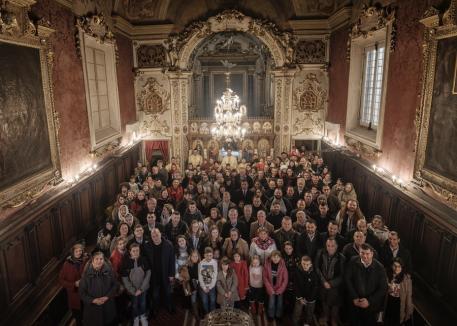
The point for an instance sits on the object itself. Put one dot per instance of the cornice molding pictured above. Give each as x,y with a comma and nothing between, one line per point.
141,32
66,3
322,26
341,18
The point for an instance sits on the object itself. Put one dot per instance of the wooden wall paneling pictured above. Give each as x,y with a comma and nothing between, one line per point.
42,237
120,173
369,200
128,166
86,210
66,222
99,197
428,253
110,184
445,266
386,204
404,221
17,273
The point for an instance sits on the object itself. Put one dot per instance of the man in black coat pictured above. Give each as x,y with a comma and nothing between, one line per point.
161,259
366,285
310,242
244,194
393,249
235,222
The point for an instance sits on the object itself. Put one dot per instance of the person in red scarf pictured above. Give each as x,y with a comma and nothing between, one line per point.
69,278
262,245
176,191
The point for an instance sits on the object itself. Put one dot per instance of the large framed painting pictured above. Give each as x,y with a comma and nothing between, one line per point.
29,153
436,150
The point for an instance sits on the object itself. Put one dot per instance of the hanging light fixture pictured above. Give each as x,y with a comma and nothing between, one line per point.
228,112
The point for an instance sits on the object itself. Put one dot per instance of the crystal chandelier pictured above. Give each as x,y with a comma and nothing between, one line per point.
228,112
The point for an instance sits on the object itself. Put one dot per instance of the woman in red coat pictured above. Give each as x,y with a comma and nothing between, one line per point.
69,277
241,270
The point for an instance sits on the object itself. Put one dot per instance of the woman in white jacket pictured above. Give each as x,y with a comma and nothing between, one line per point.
262,245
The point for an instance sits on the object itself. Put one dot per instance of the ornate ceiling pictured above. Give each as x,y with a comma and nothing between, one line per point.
182,12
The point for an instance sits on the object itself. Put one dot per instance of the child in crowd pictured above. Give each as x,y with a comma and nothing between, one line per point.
241,270
189,277
256,289
291,261
306,290
275,279
207,277
136,274
227,285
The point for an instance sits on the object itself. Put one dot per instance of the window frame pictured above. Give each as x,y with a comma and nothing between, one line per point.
354,129
114,129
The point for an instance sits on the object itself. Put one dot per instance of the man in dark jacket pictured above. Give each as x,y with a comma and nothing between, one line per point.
366,284
244,194
285,233
329,266
332,233
235,222
175,227
393,249
161,258
310,242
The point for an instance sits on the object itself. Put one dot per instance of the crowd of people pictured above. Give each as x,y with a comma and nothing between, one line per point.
272,235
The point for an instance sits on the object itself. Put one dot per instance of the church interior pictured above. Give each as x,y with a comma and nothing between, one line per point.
228,162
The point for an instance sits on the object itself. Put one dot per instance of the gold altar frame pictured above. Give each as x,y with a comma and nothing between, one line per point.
19,30
436,29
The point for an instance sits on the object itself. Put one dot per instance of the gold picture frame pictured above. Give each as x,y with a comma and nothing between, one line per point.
433,167
19,35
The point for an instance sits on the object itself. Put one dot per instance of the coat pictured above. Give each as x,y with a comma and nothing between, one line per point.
96,284
406,299
306,284
330,270
70,273
167,263
242,274
307,247
241,246
282,278
224,285
369,283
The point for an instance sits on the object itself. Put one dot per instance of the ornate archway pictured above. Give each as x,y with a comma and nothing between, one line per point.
181,46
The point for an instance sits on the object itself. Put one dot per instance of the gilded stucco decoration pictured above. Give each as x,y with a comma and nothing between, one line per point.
310,94
95,25
153,98
181,46
151,56
311,52
372,19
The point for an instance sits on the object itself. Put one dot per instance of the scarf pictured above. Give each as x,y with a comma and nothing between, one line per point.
263,244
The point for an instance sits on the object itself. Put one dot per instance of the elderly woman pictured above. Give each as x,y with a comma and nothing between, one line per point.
97,288
262,245
235,243
70,277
